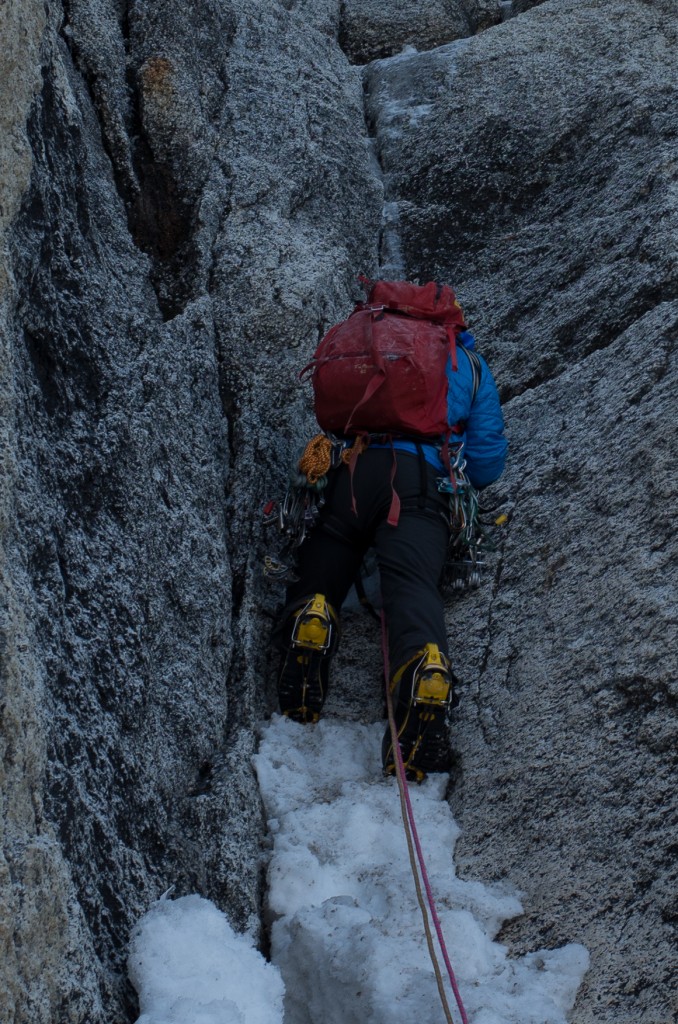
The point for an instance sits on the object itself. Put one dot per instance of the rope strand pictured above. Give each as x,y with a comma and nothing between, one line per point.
316,459
413,865
413,838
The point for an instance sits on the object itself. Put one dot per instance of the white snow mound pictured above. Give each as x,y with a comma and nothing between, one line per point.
346,929
189,967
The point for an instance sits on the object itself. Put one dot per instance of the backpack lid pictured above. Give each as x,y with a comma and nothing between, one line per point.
432,301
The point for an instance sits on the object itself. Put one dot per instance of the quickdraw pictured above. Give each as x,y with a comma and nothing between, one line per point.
468,539
295,516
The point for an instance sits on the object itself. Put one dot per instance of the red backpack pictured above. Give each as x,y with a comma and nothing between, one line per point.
383,370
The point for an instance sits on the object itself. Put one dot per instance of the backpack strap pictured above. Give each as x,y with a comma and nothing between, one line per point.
394,511
350,457
452,338
476,373
379,377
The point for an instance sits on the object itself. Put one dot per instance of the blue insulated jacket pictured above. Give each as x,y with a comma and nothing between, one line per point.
485,446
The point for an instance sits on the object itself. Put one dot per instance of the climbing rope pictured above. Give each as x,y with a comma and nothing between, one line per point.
413,844
316,459
322,453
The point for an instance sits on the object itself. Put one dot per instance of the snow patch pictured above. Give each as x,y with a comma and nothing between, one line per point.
346,931
189,967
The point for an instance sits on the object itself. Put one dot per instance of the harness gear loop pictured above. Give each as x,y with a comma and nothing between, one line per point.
361,444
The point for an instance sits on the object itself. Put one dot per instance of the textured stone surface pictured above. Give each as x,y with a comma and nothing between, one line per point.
371,30
539,144
187,196
185,207
554,210
22,25
45,948
568,731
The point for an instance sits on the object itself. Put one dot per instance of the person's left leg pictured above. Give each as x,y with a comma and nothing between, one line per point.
327,564
310,623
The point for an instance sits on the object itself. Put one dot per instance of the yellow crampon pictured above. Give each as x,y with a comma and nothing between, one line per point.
432,678
304,670
432,683
421,713
313,627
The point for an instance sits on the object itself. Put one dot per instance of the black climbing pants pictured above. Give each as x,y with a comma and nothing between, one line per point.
410,555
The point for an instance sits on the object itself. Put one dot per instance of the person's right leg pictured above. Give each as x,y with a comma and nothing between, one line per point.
422,690
411,556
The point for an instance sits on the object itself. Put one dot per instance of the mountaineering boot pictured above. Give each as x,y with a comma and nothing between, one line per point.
311,634
422,689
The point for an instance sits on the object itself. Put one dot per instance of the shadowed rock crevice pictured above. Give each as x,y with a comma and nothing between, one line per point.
635,309
108,85
369,30
158,127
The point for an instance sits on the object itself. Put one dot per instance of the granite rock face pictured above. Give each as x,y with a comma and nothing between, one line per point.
548,230
187,196
181,225
370,30
554,210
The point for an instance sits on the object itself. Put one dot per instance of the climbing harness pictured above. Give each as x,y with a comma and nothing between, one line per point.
417,862
298,512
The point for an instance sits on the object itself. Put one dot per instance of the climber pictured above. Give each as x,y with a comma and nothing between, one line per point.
387,492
